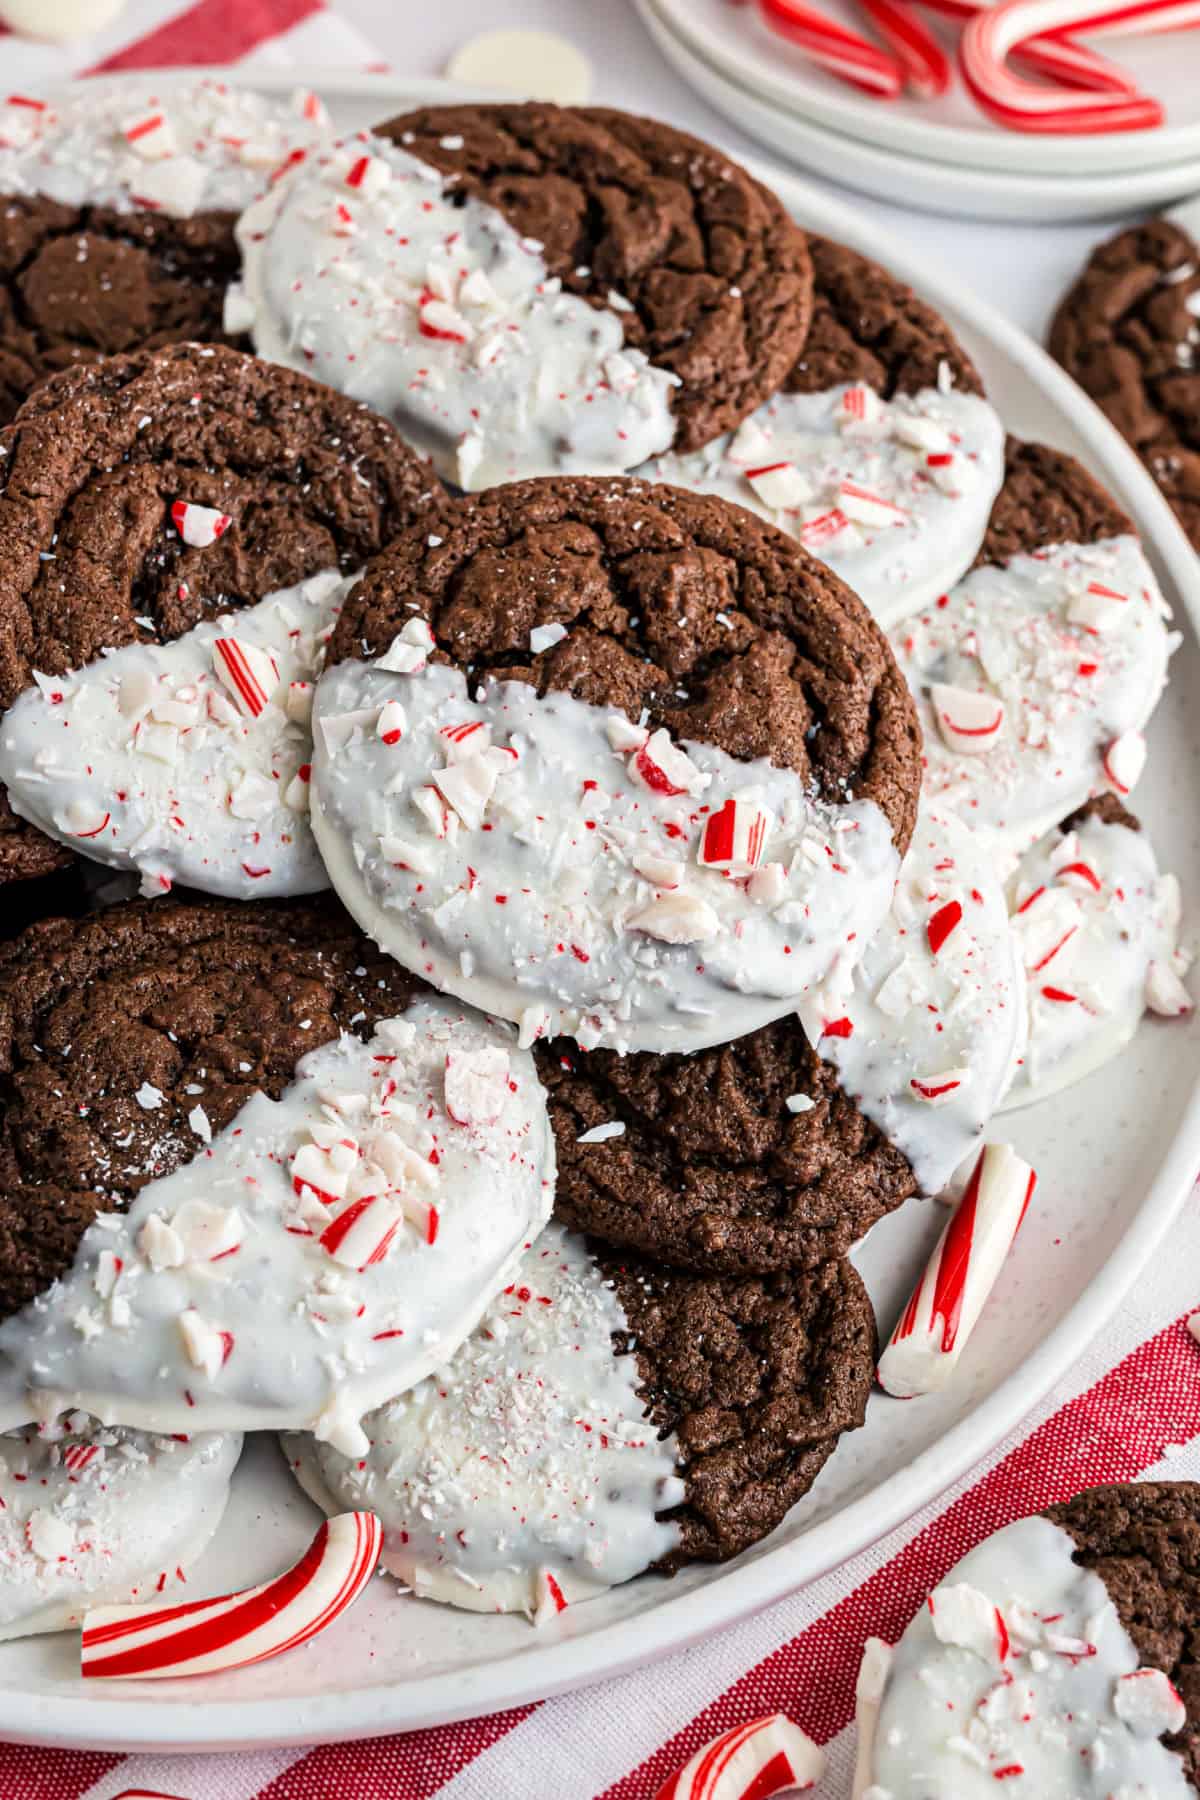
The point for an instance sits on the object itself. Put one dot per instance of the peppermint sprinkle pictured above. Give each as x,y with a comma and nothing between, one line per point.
600,1134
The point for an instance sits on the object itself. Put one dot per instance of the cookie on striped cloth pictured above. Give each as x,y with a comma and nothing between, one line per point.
1061,1650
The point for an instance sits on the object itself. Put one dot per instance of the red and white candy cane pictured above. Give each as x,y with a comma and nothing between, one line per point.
843,52
751,1762
923,1351
927,68
995,31
1075,65
203,1637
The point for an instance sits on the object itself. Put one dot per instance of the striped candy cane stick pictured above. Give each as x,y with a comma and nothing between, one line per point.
923,1351
994,32
926,66
202,1637
843,52
751,1762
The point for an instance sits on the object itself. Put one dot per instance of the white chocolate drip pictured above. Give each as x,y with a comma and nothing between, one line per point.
320,1254
959,1707
529,1452
360,269
1063,689
543,880
850,476
145,760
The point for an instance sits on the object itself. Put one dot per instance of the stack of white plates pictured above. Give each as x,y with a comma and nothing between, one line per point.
944,154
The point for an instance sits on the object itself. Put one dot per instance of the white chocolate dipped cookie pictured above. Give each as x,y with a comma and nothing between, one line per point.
1045,1660
926,1037
117,207
509,284
612,760
1097,930
279,1180
880,453
94,1515
176,533
564,1448
1036,675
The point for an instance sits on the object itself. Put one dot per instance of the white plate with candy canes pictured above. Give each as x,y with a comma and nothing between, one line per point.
1115,1155
888,173
738,41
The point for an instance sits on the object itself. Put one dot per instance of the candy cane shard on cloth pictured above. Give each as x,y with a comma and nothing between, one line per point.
873,1674
992,35
203,1637
933,1329
844,53
751,1762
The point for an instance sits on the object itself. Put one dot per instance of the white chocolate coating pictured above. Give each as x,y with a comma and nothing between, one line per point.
897,558
444,319
145,761
96,1515
935,1034
1089,950
1062,690
208,147
959,1720
536,909
324,1252
529,1452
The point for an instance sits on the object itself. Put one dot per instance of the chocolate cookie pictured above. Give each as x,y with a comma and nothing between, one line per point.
117,210
1036,675
607,1417
699,1160
1087,1612
601,625
767,1154
197,512
243,1140
543,290
718,277
869,328
1128,332
205,997
757,1377
1143,1540
881,454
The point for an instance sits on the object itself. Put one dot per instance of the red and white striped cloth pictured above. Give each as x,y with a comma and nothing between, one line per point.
1130,1409
156,34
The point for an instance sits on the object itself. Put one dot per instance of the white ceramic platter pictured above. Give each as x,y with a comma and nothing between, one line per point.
737,40
888,173
1116,1157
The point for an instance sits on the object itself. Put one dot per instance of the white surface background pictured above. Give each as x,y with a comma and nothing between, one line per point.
1022,269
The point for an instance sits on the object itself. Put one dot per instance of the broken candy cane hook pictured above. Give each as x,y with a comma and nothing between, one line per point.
201,1637
1072,64
992,35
